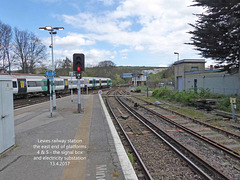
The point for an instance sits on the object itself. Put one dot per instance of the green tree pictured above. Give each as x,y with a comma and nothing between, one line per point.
216,32
118,80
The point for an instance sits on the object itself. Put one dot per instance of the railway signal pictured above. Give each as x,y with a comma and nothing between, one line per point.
78,62
78,67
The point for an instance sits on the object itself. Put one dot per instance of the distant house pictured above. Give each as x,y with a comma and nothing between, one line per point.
139,79
127,75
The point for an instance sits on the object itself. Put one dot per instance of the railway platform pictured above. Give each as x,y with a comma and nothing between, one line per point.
68,146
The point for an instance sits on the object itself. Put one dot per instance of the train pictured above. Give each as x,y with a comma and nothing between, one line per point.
32,84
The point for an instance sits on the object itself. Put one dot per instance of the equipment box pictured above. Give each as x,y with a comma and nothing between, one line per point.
7,135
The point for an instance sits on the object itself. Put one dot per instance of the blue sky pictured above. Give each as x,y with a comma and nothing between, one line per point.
128,32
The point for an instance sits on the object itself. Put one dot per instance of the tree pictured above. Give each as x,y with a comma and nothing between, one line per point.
216,33
1,42
5,45
21,39
36,53
67,63
64,66
118,80
28,49
106,63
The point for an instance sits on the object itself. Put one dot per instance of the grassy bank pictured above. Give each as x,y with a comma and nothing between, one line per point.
189,98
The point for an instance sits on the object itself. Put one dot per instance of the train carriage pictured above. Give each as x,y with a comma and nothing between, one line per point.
34,84
59,84
28,84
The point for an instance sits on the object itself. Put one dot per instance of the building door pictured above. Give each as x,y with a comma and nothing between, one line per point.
195,85
180,83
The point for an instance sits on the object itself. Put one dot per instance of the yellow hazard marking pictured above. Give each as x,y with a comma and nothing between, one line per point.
76,168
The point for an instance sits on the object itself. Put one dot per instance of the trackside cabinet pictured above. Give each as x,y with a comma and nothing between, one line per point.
7,135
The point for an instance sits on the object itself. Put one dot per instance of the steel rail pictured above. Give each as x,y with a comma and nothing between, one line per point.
222,147
211,170
212,142
145,170
193,119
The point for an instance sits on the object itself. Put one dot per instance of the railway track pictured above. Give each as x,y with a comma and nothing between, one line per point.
227,140
24,102
19,103
217,155
162,155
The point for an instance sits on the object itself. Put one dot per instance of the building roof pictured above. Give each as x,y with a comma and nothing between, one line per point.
189,61
127,75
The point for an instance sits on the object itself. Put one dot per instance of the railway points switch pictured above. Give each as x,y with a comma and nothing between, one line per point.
7,135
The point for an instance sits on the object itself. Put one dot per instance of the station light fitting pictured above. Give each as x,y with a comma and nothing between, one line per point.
50,28
177,55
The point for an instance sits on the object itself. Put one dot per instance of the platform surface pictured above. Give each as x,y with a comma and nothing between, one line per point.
67,146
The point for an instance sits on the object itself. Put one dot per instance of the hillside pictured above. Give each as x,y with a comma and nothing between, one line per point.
114,71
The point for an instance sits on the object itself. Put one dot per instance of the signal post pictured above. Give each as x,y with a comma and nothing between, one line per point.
78,67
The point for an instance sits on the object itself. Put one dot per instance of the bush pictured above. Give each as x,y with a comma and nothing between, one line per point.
186,97
189,97
163,93
225,104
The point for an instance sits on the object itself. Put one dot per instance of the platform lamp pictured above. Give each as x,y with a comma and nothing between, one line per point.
177,55
51,29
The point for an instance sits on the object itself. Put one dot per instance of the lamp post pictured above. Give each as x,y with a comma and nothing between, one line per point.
177,55
51,29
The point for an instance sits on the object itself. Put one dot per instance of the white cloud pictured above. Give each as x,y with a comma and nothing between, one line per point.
157,19
92,56
73,39
124,51
139,48
156,26
70,41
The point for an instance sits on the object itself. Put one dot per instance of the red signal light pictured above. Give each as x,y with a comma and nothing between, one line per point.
78,68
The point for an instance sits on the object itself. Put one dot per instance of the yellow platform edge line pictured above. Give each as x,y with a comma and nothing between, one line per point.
76,168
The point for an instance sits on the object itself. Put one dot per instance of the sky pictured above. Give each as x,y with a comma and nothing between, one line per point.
127,32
